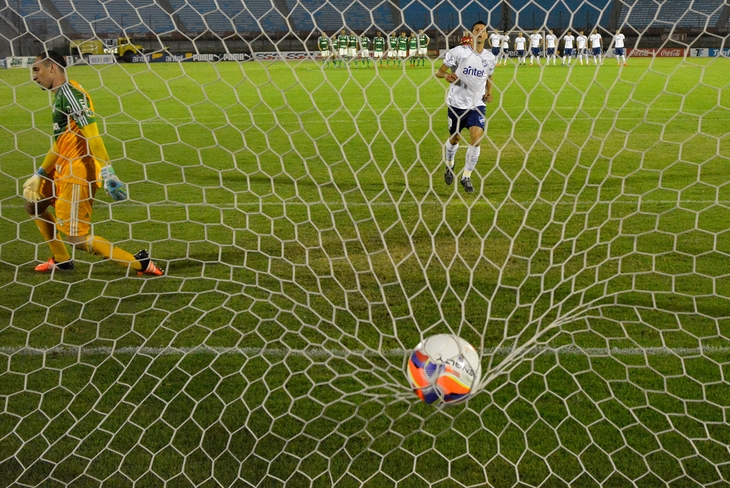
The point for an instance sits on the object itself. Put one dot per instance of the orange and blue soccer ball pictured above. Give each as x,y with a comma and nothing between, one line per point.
444,368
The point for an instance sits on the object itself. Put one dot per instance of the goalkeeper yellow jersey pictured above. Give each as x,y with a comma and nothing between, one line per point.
73,109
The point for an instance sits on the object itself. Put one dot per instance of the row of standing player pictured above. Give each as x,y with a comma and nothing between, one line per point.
549,45
351,47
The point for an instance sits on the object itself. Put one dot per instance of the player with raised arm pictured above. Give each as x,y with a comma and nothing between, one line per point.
581,43
495,43
423,41
365,49
378,48
505,49
323,43
70,175
468,70
535,45
597,46
618,46
520,43
551,41
568,41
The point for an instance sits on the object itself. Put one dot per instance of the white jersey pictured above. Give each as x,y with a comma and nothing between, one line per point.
568,40
520,43
619,40
595,40
535,40
473,69
551,40
495,39
505,41
581,41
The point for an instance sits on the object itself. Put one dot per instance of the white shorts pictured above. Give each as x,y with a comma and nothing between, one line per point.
343,51
352,52
365,53
391,53
378,54
402,54
422,51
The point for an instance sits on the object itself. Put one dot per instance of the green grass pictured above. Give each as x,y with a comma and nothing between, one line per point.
309,241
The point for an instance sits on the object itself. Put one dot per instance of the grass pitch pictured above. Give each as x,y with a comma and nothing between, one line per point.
310,241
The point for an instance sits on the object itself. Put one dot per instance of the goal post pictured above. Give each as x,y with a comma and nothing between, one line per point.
298,206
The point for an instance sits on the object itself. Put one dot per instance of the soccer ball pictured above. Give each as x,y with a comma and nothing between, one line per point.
444,368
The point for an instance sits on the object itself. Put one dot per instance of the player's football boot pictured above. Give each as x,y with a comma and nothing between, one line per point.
449,175
51,264
148,267
466,183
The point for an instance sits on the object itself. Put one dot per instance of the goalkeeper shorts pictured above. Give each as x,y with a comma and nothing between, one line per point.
73,204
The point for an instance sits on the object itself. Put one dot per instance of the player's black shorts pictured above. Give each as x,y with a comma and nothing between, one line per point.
568,51
551,51
460,119
495,51
619,51
536,51
520,52
596,51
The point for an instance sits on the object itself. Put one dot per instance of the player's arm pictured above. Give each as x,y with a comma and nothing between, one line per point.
488,94
445,73
113,186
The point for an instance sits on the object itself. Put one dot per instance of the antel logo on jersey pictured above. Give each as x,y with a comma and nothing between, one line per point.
473,71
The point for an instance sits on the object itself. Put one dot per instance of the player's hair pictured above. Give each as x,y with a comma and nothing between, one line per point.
52,56
478,22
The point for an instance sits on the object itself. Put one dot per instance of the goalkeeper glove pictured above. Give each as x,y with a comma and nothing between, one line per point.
32,187
113,186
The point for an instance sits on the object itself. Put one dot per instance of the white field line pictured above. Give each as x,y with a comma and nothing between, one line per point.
317,352
405,203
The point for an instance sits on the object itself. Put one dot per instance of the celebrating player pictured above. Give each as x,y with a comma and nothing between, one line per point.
472,67
423,41
505,49
378,48
597,45
69,175
535,45
618,46
520,42
552,43
323,43
581,43
568,40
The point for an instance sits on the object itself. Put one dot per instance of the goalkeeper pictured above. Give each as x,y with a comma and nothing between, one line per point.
70,175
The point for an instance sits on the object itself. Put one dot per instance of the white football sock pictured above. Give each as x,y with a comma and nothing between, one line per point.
472,156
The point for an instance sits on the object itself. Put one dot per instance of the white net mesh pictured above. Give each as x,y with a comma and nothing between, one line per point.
310,242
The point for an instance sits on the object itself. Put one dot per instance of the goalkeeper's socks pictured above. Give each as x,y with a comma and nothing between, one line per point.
450,152
46,223
101,247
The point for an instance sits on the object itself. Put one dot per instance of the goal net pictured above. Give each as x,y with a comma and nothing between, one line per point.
298,205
